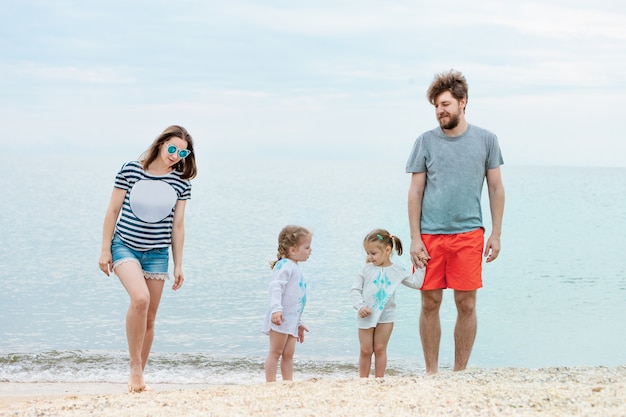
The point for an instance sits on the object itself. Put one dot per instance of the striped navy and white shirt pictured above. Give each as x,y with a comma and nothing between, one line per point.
148,210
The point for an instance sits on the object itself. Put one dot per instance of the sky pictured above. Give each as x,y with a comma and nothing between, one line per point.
338,80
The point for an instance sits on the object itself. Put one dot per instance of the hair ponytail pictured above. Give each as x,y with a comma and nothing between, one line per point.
290,237
385,238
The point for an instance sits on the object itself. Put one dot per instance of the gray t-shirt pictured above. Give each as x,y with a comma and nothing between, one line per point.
455,172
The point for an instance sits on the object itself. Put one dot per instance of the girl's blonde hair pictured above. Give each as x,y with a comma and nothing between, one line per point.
290,237
384,238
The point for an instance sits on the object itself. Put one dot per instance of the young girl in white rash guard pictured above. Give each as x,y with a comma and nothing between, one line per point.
373,296
283,321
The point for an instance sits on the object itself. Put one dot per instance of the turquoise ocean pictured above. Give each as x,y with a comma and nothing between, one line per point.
556,296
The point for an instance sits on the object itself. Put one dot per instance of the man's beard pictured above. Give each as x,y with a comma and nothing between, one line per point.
452,122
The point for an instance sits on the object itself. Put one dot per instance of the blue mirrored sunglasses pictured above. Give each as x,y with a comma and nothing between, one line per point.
182,153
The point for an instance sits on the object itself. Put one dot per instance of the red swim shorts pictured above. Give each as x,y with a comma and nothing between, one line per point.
455,261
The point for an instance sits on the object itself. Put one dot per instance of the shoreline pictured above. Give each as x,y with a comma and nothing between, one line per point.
569,391
43,389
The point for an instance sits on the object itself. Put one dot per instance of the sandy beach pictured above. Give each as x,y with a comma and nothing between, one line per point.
476,392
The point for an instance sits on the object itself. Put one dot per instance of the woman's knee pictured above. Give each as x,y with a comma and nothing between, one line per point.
140,301
150,322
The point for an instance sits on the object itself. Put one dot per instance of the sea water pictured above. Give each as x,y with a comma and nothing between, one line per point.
554,297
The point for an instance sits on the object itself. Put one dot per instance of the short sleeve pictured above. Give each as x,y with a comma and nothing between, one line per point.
494,154
121,180
185,194
417,158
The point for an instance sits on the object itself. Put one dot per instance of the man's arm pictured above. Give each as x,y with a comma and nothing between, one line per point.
416,194
496,205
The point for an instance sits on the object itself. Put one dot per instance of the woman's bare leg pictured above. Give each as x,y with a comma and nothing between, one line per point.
131,277
155,287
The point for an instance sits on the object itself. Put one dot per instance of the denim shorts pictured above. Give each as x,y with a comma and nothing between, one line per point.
153,262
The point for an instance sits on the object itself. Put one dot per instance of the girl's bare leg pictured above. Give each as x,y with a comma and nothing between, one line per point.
131,277
277,345
381,339
286,360
366,341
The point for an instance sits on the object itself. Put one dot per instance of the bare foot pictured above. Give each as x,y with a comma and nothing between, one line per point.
146,388
136,382
132,388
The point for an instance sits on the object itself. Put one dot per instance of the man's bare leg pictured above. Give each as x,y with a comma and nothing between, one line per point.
465,329
430,329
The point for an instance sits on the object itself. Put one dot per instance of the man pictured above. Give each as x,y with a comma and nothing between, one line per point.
449,165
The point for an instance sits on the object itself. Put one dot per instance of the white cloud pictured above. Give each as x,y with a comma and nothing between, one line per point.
344,75
49,74
566,21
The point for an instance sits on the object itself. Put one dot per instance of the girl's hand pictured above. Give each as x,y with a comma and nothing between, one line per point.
178,278
419,254
277,318
301,330
364,312
106,262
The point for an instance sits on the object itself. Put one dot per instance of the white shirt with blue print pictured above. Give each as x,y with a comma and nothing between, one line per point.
287,294
375,287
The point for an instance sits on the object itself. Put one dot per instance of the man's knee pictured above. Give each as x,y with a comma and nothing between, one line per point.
431,301
465,302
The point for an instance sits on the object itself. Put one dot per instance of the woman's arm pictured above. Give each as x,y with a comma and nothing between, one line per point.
110,219
178,240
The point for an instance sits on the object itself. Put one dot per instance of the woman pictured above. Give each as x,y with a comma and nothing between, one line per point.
150,194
